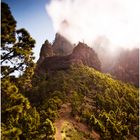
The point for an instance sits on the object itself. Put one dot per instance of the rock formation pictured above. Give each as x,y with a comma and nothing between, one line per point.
62,46
46,51
82,54
86,55
61,55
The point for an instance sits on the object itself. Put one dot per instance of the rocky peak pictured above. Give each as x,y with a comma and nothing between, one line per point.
81,50
81,55
87,55
62,46
46,51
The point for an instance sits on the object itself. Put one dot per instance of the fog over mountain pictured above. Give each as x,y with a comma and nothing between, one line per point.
86,21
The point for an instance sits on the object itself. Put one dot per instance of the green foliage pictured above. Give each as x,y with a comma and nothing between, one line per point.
19,119
13,103
111,108
8,25
29,123
106,105
17,45
24,82
47,130
50,107
13,133
76,103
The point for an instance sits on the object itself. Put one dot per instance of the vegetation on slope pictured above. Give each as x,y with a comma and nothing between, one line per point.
19,119
30,108
108,106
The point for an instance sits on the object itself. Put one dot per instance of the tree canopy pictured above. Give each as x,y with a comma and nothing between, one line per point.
17,45
20,120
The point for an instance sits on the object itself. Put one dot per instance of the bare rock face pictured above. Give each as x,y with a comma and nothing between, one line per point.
127,67
86,55
61,46
81,55
46,51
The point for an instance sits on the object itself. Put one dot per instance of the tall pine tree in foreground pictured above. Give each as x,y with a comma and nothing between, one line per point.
19,119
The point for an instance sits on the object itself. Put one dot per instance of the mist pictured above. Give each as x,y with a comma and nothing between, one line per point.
88,20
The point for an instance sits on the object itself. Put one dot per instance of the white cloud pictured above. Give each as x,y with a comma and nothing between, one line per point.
78,20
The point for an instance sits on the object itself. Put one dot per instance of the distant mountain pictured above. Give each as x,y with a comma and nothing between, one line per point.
127,67
122,64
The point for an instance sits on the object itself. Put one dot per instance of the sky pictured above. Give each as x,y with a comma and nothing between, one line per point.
80,20
32,15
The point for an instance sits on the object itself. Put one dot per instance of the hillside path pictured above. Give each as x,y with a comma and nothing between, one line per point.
65,116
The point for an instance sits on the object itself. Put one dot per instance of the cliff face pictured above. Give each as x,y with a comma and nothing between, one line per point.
62,46
46,51
86,55
82,54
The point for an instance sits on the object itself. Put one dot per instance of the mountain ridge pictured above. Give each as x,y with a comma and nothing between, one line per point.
82,54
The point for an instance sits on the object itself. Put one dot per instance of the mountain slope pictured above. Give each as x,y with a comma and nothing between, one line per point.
106,106
122,64
127,67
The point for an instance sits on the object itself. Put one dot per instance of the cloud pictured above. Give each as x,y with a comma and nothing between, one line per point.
86,20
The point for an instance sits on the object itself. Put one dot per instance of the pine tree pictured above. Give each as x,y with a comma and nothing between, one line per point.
8,26
17,114
19,119
17,45
47,130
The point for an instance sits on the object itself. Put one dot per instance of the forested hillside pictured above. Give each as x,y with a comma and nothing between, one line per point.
76,103
107,106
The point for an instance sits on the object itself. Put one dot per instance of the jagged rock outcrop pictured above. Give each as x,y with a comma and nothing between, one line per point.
86,55
62,46
82,54
46,51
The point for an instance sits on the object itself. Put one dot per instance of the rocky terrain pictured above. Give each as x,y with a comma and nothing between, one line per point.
81,55
62,54
61,46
